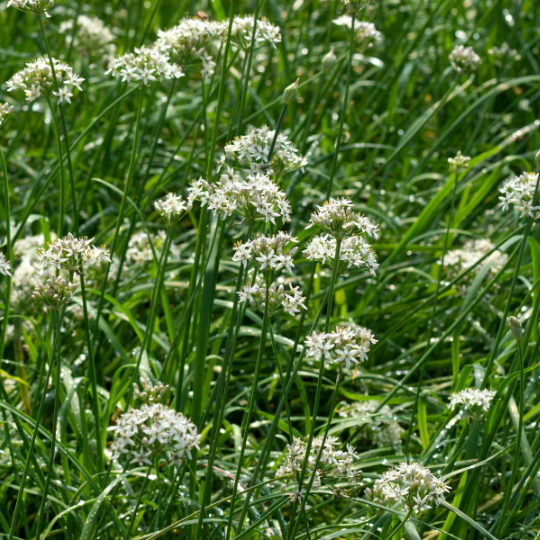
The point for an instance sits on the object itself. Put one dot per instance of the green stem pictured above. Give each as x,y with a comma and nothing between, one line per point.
9,252
276,133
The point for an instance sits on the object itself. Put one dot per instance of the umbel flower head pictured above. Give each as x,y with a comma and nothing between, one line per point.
172,208
92,38
32,6
252,198
267,252
519,192
5,265
333,463
503,55
464,59
72,254
153,430
36,80
410,485
145,66
338,219
355,253
242,32
475,402
366,32
279,299
459,163
5,111
380,427
251,151
354,6
344,345
55,293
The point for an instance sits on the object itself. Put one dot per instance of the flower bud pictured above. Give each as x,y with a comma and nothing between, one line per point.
516,328
329,61
291,93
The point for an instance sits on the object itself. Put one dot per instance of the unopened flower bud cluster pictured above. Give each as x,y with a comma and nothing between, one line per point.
267,252
354,6
381,428
344,345
415,487
519,192
459,163
72,254
279,298
333,463
504,54
464,59
36,80
475,402
338,219
149,392
354,252
55,293
251,151
255,197
172,208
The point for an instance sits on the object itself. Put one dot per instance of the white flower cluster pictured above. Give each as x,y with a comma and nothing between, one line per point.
519,191
354,252
139,251
333,462
256,196
91,38
278,299
366,32
471,253
32,6
26,247
343,345
381,427
354,6
172,208
503,55
459,163
36,80
267,252
5,265
476,402
26,277
152,430
72,254
252,151
464,59
338,219
242,32
5,110
145,65
411,485
55,293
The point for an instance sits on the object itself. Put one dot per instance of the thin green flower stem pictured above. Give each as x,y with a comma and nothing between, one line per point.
66,143
158,284
30,455
517,458
276,133
129,179
398,526
433,312
136,509
44,499
246,420
319,379
9,253
343,111
502,325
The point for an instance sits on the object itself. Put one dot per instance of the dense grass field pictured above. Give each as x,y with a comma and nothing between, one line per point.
269,269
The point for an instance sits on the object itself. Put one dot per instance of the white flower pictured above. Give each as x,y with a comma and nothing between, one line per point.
519,191
172,208
366,32
37,80
338,219
411,485
5,265
344,345
251,151
242,32
278,299
503,55
459,163
91,38
144,65
5,111
464,59
267,252
32,6
355,252
477,402
381,427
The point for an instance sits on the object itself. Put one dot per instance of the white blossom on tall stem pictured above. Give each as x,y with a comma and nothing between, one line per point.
366,32
464,59
279,298
459,163
36,80
504,54
338,219
37,7
172,208
519,192
267,252
242,32
475,402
